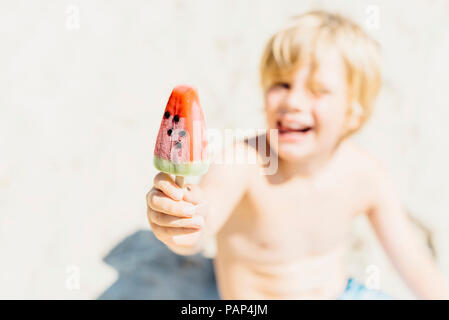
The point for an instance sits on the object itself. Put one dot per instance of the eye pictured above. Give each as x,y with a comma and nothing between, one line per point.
166,115
281,85
176,118
182,133
321,91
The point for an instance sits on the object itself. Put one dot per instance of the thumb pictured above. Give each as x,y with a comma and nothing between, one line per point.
192,194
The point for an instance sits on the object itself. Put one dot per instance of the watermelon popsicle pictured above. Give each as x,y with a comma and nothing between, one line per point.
181,145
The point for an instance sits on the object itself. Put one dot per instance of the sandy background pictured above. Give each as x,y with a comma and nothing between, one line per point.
83,85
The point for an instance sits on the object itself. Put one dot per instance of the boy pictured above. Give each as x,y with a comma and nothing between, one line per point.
282,236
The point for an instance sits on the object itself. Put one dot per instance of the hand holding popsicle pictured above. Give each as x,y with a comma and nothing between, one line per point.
181,150
173,214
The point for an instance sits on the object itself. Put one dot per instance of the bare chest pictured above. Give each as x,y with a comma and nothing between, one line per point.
293,219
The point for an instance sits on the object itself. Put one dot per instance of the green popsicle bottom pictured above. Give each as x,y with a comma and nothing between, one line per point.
196,168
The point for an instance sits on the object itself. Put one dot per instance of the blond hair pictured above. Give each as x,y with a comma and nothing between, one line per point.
307,36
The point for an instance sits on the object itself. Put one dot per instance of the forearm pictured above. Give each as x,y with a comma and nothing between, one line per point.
410,256
431,284
421,274
401,242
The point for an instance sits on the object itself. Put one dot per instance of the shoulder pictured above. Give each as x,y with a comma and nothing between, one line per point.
363,164
370,175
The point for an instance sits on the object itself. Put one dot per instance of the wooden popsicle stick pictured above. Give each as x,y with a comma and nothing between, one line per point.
179,180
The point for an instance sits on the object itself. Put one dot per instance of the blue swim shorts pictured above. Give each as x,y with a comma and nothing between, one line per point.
357,291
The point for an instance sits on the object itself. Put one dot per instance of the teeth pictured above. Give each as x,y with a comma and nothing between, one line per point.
295,126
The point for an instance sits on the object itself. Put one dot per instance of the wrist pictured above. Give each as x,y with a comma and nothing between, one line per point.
185,251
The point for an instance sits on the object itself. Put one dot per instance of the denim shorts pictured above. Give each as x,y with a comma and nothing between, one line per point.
357,291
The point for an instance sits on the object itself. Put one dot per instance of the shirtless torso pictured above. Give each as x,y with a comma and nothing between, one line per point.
286,238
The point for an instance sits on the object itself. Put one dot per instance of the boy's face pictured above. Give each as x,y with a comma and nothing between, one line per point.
310,116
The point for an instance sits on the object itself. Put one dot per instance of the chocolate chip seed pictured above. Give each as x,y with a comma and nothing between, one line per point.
169,132
166,115
176,118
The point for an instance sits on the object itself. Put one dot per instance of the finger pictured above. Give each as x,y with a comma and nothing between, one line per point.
165,183
192,194
176,236
165,220
158,201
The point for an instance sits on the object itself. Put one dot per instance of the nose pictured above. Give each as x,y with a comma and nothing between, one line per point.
296,101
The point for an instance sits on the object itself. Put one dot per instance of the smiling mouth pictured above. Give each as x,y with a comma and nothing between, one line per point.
286,129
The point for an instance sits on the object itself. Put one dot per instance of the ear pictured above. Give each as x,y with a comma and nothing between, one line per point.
355,116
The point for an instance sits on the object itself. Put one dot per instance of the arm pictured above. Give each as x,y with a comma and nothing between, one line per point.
223,187
213,201
397,236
